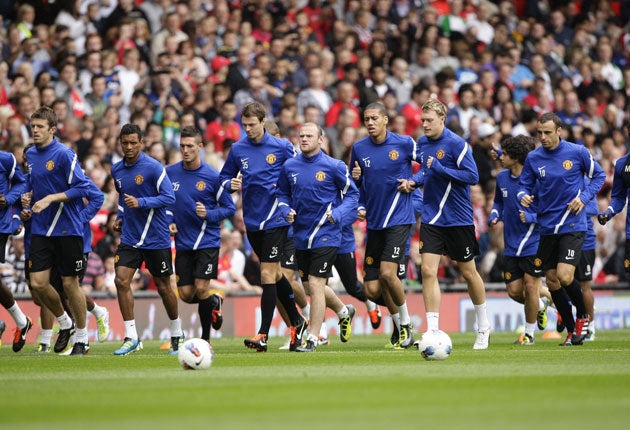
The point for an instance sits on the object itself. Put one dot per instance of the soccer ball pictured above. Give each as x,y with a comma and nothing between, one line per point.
195,354
435,345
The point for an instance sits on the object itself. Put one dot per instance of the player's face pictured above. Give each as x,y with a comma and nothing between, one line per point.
190,149
131,146
42,133
548,134
376,124
310,140
254,128
432,124
506,160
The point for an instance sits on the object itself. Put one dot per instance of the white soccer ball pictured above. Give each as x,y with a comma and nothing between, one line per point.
195,354
435,345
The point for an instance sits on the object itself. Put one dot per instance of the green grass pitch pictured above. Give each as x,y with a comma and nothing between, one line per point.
358,385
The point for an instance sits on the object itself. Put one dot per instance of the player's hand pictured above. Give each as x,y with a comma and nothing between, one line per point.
493,222
527,200
236,183
25,199
361,215
406,185
3,201
330,217
356,171
118,225
131,201
200,210
25,215
522,217
19,229
575,206
172,228
603,218
41,205
290,216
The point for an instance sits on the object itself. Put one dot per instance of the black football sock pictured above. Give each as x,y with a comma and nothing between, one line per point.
267,307
205,317
287,298
561,302
575,292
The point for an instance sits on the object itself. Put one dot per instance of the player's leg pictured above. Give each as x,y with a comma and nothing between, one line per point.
347,268
159,263
127,261
23,323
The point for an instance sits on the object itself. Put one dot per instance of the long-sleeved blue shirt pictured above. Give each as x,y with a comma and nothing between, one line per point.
146,227
12,185
560,175
55,169
520,238
313,186
620,190
95,200
260,165
447,183
382,164
199,185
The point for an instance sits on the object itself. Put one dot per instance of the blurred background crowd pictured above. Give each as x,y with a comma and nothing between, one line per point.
165,64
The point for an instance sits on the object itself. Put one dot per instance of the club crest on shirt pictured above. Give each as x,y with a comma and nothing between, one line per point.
567,164
139,179
439,154
50,165
393,155
200,185
320,176
270,158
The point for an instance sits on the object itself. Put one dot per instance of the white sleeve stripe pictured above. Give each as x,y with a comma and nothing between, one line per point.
72,167
160,180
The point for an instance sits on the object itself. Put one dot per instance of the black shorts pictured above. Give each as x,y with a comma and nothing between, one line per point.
158,261
288,260
458,242
63,252
516,267
389,245
316,262
3,247
560,248
268,244
584,270
197,264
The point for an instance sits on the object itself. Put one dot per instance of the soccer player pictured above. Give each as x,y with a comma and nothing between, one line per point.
12,184
316,195
58,185
381,164
144,193
523,274
254,164
558,168
201,204
448,170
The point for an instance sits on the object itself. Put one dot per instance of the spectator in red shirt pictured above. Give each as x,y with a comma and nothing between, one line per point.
345,94
412,111
224,127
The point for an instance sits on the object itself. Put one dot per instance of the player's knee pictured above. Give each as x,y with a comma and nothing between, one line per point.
565,278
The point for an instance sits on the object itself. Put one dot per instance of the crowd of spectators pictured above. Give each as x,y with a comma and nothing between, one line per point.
166,64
